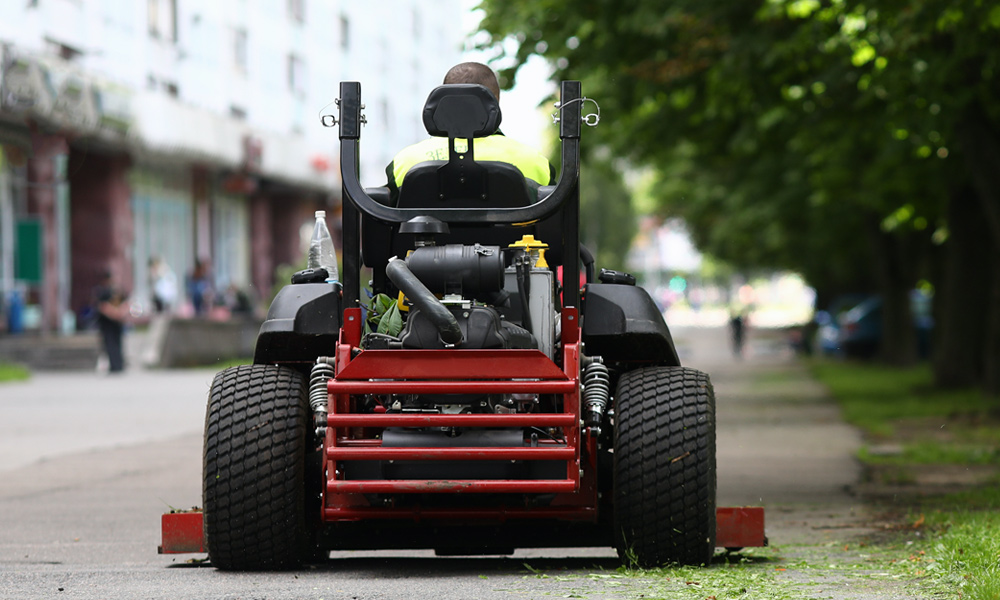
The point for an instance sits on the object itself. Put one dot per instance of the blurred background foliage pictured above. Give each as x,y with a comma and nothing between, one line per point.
857,143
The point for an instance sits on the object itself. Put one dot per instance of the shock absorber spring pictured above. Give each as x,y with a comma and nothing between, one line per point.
596,391
323,371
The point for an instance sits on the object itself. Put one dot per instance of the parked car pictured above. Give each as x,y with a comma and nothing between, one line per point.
828,322
860,331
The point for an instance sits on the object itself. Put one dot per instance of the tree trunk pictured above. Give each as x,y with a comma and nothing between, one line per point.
894,271
961,298
991,349
979,139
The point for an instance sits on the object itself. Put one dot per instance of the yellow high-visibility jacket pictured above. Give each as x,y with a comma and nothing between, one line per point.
496,147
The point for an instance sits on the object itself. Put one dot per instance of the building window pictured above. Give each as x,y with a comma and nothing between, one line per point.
345,32
238,113
296,75
162,19
297,10
240,50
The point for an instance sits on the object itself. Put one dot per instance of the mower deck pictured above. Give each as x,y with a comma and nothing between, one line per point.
735,528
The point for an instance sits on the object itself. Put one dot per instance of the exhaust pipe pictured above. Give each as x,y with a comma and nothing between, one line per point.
438,314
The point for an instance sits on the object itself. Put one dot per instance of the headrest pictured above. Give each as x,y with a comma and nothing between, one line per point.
461,110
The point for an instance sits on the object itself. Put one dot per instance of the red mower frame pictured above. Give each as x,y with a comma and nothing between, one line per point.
352,436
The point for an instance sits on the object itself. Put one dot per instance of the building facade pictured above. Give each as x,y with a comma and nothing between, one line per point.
182,130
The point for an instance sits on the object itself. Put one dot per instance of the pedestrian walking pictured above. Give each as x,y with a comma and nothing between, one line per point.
164,285
737,324
199,286
112,314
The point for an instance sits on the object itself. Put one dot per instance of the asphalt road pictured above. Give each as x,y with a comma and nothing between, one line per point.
89,462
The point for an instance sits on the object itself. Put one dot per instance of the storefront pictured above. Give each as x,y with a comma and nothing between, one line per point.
163,218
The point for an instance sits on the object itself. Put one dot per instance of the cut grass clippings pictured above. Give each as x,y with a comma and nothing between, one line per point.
754,573
727,577
949,544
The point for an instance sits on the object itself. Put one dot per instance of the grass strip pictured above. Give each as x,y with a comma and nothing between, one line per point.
950,543
874,396
11,372
953,548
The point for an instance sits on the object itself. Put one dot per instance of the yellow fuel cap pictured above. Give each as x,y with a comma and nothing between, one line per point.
535,248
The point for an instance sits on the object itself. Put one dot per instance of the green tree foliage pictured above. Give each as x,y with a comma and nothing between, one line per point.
606,213
834,137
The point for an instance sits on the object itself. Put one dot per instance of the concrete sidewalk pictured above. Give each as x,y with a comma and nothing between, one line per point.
90,462
55,414
781,441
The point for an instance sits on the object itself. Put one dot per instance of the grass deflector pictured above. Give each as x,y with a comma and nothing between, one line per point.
519,404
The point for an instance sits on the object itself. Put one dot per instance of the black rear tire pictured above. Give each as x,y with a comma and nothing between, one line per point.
254,492
664,467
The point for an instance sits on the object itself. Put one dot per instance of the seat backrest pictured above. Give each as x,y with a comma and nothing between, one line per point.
461,110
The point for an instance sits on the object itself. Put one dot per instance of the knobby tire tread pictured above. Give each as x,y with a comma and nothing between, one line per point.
664,467
254,463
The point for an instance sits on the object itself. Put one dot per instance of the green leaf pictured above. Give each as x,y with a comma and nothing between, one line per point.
391,322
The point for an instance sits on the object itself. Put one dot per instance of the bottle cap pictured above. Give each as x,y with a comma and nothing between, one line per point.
320,214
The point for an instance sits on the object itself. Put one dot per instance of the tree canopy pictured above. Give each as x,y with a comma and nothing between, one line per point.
840,138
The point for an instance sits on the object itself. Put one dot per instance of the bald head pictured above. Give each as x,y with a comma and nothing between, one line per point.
473,72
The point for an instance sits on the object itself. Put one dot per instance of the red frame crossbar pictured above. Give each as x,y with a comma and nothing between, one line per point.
353,436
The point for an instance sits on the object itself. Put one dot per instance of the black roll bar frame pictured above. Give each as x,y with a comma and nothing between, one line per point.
565,194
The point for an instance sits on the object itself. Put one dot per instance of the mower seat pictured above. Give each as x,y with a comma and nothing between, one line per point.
458,112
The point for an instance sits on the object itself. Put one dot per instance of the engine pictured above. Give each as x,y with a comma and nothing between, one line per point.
466,297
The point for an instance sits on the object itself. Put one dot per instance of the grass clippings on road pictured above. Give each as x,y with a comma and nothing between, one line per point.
753,573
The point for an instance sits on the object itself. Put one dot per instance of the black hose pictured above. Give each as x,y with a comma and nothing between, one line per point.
438,314
587,258
522,265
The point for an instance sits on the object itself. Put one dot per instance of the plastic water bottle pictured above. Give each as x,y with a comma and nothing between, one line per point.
321,250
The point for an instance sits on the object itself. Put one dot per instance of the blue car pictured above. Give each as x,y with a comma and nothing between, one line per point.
860,332
828,323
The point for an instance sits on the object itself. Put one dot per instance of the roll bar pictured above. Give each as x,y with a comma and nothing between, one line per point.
350,133
565,195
